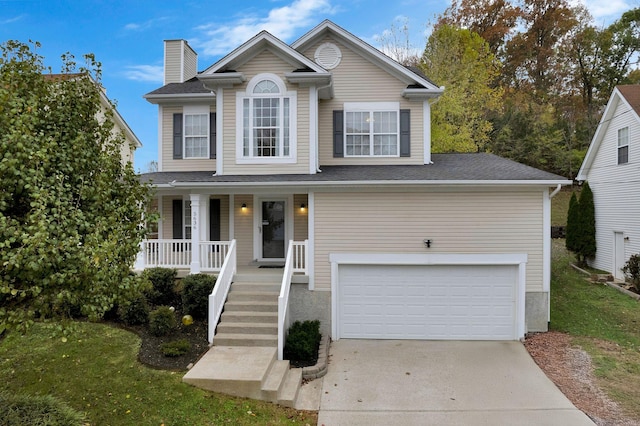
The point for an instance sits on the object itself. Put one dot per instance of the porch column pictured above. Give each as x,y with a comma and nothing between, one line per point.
139,265
195,232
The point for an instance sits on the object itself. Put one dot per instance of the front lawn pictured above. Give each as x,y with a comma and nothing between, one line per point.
95,370
603,322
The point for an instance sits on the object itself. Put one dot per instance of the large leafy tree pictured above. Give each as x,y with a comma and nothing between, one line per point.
70,211
461,60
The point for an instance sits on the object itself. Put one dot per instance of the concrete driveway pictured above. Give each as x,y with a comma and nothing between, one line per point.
404,382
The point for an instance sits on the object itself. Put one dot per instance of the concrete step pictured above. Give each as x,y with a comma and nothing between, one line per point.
267,287
251,306
289,392
234,339
247,328
275,381
254,296
273,277
238,371
244,316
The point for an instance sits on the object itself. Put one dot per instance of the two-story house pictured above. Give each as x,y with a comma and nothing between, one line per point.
611,168
316,156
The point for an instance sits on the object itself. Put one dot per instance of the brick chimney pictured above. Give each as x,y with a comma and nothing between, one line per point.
180,61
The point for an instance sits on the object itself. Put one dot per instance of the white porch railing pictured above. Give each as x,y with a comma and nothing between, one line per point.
300,258
212,254
178,254
220,291
283,300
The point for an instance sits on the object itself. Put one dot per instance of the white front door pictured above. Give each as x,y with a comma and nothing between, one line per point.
618,255
273,214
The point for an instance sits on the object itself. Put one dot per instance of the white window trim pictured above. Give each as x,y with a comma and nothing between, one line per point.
240,96
186,203
195,110
622,146
371,107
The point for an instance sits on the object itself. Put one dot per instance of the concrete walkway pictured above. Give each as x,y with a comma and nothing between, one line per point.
404,382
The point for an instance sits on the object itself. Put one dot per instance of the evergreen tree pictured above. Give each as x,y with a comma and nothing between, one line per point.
587,225
572,223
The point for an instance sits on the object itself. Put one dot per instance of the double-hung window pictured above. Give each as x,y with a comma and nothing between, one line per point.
623,145
372,129
267,126
196,132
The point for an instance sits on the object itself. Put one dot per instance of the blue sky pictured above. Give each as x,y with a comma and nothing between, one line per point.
127,36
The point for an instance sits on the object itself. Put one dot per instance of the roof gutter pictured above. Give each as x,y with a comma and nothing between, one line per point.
559,183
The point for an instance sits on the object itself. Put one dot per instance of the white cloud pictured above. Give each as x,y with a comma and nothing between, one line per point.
12,20
146,73
282,22
141,26
605,12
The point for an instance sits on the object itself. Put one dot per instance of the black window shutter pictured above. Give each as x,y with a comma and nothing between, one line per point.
338,133
177,219
212,135
405,133
177,136
214,219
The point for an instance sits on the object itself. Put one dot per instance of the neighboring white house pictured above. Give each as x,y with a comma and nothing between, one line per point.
612,168
327,143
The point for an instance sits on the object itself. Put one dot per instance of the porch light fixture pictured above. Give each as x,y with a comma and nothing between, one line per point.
303,207
244,207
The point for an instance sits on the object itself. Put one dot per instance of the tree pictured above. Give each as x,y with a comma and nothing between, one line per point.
461,61
586,236
396,44
572,223
70,211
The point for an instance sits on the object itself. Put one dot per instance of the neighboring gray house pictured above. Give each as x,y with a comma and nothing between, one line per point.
612,168
317,156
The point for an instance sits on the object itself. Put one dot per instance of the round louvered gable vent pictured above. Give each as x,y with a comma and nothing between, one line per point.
328,56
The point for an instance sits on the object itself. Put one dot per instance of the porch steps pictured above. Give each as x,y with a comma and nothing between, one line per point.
243,358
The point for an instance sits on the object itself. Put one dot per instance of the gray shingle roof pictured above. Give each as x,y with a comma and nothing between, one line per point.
188,87
445,167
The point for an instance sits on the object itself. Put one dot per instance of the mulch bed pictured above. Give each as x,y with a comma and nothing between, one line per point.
151,347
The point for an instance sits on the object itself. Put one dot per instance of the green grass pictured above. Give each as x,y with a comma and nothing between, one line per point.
604,322
96,371
560,206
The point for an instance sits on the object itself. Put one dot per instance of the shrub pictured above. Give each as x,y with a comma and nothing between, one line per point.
195,295
163,286
303,341
162,321
176,348
632,270
134,311
19,410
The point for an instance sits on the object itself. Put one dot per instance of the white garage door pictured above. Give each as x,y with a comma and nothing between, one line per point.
427,302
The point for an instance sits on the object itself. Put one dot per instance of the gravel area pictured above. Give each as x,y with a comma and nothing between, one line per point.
571,370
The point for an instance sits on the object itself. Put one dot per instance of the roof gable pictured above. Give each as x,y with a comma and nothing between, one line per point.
410,76
627,97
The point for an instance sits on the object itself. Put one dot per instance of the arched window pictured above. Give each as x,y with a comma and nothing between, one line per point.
266,118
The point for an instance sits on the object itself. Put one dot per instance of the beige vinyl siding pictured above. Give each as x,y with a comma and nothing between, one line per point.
465,222
616,190
168,163
356,79
266,62
300,217
166,221
172,65
244,229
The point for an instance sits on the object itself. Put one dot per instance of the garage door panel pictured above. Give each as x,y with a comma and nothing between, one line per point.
427,302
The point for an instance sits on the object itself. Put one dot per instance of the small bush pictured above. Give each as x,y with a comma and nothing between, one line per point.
303,341
195,295
134,311
176,348
632,270
19,410
162,321
163,286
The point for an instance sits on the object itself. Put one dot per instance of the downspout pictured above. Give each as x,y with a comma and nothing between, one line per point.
555,191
